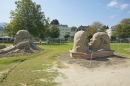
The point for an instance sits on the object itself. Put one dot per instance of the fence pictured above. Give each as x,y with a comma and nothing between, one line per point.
53,40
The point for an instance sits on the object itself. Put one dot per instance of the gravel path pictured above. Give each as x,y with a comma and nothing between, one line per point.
107,71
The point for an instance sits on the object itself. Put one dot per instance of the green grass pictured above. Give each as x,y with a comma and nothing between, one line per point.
7,44
121,49
33,70
37,69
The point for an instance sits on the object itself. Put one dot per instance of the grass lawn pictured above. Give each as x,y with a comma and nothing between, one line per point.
39,69
122,49
33,70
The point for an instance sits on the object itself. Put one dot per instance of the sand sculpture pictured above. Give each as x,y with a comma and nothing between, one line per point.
23,41
99,45
81,43
100,41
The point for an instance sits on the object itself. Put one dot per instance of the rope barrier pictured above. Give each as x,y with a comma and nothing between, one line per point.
90,60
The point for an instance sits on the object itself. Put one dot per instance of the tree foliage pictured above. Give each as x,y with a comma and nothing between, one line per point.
54,22
113,37
97,25
107,27
54,32
73,28
122,30
27,16
66,36
90,31
104,28
125,21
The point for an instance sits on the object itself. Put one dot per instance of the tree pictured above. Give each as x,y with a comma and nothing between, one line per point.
125,21
107,27
90,31
122,30
28,16
103,29
113,37
66,36
54,32
73,28
54,22
97,25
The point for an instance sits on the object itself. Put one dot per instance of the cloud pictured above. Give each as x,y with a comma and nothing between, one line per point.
118,5
113,16
112,3
123,6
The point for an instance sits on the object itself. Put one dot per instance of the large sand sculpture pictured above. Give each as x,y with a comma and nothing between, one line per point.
99,45
23,41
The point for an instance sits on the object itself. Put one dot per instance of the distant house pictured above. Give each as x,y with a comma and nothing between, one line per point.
5,39
81,28
64,29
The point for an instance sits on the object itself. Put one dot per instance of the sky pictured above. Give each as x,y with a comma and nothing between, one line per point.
76,12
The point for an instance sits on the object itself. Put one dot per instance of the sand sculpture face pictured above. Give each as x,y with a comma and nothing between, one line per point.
100,41
80,42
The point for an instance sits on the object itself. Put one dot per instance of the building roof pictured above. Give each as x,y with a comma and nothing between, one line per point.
5,37
81,28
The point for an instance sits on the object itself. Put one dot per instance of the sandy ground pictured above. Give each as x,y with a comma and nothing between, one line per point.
115,71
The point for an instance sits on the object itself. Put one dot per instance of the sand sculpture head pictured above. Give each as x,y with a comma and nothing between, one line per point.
80,42
23,39
100,41
21,35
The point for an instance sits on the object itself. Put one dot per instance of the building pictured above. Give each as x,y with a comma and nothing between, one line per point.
3,37
1,33
110,31
64,29
81,28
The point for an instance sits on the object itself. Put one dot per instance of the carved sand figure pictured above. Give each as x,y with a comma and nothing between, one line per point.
80,42
100,41
98,47
23,40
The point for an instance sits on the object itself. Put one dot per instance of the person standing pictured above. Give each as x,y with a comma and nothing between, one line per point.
40,41
48,41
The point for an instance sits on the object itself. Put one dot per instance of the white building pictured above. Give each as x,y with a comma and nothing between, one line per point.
1,33
64,29
110,31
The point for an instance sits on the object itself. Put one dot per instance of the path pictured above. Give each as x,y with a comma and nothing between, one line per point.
76,75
